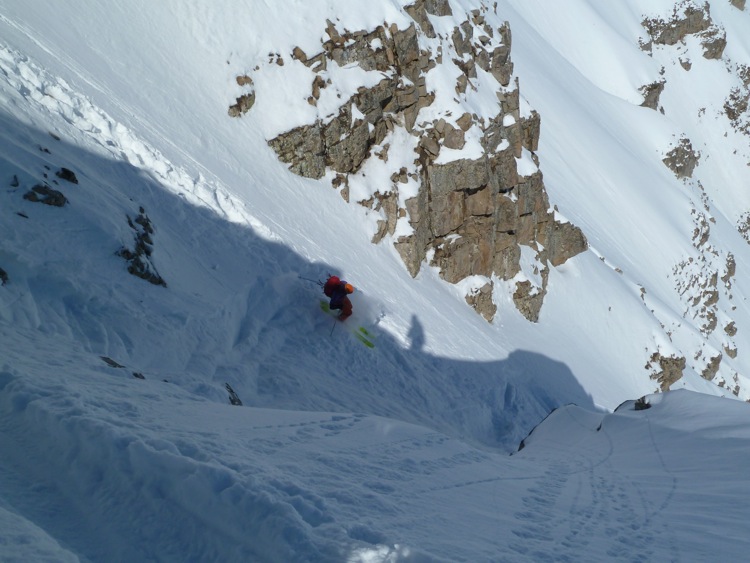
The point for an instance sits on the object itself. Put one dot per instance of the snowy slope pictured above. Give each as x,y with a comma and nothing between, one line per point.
348,453
132,470
603,155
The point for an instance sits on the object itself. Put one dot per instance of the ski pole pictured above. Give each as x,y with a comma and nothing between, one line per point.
333,327
308,279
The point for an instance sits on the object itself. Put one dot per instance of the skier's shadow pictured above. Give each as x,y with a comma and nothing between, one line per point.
416,335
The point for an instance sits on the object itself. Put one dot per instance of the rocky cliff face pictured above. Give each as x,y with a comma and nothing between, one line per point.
703,281
687,18
462,190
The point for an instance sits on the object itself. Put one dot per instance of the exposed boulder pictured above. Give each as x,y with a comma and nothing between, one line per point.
714,41
641,404
564,241
388,203
111,363
234,399
731,329
46,195
712,367
730,271
244,80
67,175
303,149
682,159
528,299
3,277
670,369
651,93
481,300
242,105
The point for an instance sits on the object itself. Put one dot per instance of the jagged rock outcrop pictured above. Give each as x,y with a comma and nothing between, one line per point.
234,399
471,214
139,258
714,41
245,102
703,281
730,350
737,104
670,369
743,226
111,363
43,193
682,159
651,93
67,175
736,107
740,4
242,105
641,404
699,280
421,8
3,277
712,368
687,18
481,301
528,298
46,195
730,329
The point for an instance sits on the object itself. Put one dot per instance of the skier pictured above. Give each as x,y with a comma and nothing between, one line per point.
338,290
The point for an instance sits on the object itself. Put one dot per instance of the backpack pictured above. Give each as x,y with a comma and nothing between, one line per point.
331,285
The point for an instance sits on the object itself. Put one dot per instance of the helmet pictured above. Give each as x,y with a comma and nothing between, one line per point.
349,288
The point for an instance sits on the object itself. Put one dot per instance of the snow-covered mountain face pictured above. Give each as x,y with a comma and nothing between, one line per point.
459,189
424,124
681,250
422,121
176,176
427,120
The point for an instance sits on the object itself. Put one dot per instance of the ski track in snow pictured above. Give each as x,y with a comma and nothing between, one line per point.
600,501
553,506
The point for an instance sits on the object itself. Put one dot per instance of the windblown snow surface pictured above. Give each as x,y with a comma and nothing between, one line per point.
404,452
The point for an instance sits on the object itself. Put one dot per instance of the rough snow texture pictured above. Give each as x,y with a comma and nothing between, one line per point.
119,435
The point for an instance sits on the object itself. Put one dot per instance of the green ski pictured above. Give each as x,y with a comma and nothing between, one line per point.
360,332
